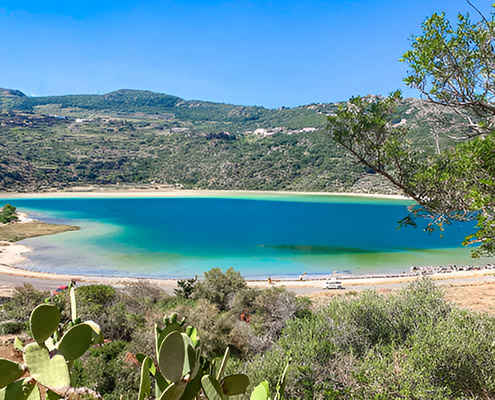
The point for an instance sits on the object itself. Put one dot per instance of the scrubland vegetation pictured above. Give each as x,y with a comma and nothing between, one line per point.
139,137
410,344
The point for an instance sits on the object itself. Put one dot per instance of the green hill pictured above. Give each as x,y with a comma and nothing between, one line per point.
141,137
11,98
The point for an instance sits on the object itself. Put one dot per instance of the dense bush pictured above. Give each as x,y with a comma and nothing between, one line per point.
408,345
8,214
218,287
11,327
228,313
20,305
118,312
109,370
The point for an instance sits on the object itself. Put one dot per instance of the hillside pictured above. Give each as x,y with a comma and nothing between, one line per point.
141,137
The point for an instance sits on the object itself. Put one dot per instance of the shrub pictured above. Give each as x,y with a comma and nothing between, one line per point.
96,296
8,214
12,327
23,301
410,344
271,309
117,312
219,288
109,370
144,293
185,288
457,353
215,328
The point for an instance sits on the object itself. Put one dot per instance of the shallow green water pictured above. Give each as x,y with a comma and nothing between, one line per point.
260,235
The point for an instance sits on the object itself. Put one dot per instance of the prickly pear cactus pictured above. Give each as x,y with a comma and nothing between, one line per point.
182,372
44,322
171,357
75,342
9,371
52,373
261,392
47,360
234,385
24,389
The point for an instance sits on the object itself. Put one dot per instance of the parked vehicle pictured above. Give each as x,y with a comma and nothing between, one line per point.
333,284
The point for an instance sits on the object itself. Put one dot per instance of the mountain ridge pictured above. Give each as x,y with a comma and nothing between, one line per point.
141,137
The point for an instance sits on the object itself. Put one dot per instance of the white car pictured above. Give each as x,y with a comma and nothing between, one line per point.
333,284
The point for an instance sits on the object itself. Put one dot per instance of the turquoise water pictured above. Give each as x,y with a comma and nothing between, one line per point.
258,235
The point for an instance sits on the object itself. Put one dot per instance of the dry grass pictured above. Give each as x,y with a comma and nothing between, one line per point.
474,296
14,232
479,296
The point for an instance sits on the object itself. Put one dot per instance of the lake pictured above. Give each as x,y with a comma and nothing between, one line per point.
259,235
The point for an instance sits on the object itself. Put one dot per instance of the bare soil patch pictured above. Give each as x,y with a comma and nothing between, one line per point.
475,296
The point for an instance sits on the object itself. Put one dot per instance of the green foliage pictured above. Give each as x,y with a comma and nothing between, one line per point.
251,321
461,186
47,361
118,313
410,344
452,66
185,287
160,139
22,302
8,214
11,327
100,296
109,371
181,371
218,287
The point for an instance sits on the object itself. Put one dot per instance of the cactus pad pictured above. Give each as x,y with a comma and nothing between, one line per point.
50,372
9,372
97,333
173,391
171,357
261,392
75,342
212,388
20,390
145,381
44,321
234,385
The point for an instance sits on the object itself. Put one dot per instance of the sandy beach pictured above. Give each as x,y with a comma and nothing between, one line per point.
93,192
13,253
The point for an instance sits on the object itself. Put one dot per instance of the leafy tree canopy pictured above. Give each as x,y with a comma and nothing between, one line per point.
453,66
8,214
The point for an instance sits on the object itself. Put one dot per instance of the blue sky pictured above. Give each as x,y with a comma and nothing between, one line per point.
269,53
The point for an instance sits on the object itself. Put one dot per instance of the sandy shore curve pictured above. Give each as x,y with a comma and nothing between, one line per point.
11,254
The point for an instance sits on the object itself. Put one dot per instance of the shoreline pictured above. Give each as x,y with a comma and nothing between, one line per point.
151,193
13,253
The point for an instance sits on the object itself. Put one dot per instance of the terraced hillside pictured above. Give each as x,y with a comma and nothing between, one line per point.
141,137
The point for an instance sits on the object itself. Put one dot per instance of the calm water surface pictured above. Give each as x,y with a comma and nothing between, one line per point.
258,235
